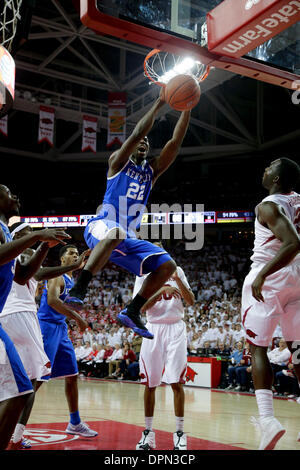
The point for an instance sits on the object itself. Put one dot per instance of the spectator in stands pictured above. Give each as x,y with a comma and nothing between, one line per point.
87,337
104,366
87,362
287,382
238,334
194,346
235,358
114,361
97,368
87,350
136,345
129,357
243,377
279,357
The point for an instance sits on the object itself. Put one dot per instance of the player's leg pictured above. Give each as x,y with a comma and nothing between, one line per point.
151,368
24,330
23,420
9,414
147,441
102,238
175,341
260,320
145,258
15,388
180,441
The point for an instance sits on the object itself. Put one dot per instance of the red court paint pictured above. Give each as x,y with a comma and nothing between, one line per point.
112,435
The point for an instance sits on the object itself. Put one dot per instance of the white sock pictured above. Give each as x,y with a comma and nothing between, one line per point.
179,423
148,422
18,432
264,400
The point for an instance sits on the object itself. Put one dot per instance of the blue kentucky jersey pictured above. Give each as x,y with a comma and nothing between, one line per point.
126,196
7,271
46,312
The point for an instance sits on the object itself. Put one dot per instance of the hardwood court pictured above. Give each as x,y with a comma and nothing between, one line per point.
213,419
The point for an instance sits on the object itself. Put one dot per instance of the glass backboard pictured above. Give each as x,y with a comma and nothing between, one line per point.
180,27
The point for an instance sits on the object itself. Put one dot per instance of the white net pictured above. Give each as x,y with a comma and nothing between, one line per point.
161,66
9,18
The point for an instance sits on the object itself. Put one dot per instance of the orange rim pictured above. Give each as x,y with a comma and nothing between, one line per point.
161,84
148,56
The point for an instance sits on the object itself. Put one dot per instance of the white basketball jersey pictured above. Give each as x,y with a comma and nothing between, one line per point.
21,298
167,309
266,245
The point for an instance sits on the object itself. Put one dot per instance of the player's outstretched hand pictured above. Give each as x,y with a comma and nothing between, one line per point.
53,236
83,259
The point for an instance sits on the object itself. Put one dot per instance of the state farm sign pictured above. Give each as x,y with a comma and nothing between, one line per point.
237,27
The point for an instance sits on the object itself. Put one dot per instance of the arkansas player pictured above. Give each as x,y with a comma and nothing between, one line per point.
271,290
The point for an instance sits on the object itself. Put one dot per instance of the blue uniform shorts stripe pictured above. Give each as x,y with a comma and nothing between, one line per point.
23,383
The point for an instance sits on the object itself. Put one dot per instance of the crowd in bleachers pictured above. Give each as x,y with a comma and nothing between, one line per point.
215,274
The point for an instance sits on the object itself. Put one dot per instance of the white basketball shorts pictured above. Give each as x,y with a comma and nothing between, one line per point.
164,359
24,330
281,292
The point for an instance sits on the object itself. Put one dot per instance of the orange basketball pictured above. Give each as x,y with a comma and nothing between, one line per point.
182,92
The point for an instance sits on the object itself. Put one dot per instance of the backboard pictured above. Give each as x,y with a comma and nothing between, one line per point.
186,27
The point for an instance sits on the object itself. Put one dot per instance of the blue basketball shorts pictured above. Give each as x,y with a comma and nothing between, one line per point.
136,256
59,349
14,380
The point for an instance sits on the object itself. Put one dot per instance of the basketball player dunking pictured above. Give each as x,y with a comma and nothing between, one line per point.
271,290
165,358
111,235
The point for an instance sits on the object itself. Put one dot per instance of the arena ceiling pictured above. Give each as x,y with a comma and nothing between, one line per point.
68,66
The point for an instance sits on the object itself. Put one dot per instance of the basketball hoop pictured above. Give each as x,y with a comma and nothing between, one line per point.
160,67
9,18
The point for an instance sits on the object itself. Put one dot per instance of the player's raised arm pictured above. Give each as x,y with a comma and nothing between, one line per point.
172,147
54,290
118,159
271,216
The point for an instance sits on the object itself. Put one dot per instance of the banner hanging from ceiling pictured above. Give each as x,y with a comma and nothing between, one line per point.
46,125
116,133
89,134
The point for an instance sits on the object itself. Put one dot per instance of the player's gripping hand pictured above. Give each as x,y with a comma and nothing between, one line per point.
162,94
83,259
256,288
82,324
169,292
53,236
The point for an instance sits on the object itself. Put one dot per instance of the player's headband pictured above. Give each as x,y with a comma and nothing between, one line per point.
19,228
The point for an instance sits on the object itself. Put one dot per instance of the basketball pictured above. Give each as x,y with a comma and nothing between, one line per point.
182,92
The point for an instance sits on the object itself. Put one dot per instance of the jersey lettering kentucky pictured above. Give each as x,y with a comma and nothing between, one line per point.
46,312
126,196
6,271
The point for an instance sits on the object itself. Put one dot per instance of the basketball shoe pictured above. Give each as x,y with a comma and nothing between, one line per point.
82,429
180,441
20,445
271,432
132,320
147,441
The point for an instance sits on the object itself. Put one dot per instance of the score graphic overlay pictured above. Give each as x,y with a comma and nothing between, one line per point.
155,218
